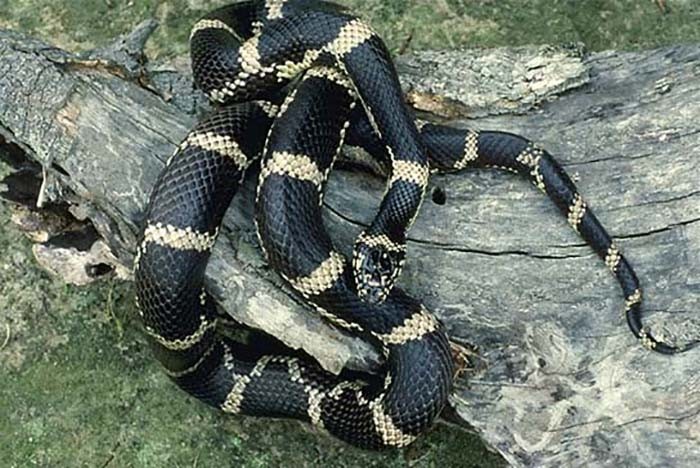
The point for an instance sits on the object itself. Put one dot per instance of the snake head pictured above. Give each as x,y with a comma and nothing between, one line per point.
377,263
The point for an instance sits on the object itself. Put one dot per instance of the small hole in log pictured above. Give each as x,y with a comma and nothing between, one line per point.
101,269
439,196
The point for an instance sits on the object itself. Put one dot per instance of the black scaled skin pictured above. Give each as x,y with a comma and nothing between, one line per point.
288,215
191,196
300,36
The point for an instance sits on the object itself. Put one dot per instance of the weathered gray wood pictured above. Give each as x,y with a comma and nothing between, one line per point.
501,80
560,380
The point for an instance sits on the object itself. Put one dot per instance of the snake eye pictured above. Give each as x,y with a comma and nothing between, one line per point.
385,263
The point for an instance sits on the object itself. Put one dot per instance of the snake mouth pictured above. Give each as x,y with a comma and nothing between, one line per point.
371,291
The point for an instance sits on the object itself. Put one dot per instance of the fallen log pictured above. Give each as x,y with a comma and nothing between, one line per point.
557,378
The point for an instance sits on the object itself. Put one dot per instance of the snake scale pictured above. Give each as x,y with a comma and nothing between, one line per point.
295,80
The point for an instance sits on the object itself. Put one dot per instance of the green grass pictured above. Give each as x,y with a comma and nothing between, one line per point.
447,24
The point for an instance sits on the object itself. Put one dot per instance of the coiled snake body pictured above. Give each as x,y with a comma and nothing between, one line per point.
345,90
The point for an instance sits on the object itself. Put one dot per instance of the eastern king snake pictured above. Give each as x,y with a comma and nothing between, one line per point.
294,80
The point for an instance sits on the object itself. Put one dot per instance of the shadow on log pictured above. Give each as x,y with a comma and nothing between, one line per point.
559,379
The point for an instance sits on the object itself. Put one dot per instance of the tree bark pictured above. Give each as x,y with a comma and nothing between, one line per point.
558,378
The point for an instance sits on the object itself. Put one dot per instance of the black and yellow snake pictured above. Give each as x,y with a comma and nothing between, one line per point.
294,81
